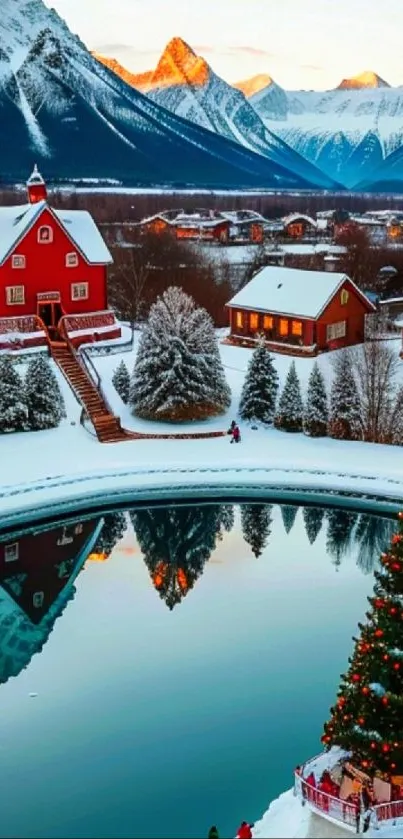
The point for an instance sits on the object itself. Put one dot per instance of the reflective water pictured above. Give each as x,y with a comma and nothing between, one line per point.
188,659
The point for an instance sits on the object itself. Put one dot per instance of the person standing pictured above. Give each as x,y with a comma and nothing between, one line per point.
245,831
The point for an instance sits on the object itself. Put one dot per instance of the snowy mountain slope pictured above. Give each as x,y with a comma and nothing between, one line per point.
185,84
61,108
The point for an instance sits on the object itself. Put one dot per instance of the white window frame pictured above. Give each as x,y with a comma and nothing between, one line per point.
12,552
72,260
336,330
18,261
45,241
76,296
37,599
9,295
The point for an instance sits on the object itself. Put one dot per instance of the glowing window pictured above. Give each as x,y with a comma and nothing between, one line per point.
296,327
239,320
15,295
283,326
267,322
344,297
253,321
45,235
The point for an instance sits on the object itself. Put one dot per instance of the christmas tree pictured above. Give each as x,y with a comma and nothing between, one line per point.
13,400
259,392
256,520
121,381
113,530
288,514
178,373
44,398
290,409
345,410
315,409
367,720
313,520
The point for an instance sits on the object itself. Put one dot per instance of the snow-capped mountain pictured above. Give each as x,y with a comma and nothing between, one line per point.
348,132
63,109
185,84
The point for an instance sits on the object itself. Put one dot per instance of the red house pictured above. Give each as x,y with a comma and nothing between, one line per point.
305,311
53,270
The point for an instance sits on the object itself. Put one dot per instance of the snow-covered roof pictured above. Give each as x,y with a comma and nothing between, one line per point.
388,269
291,291
299,217
16,221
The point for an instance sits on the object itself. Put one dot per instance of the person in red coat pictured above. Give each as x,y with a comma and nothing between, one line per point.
245,831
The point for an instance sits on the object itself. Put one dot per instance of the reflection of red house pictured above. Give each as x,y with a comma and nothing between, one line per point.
304,310
53,263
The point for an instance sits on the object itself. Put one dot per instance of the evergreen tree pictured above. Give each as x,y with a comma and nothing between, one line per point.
371,534
13,400
226,519
256,520
367,720
259,392
339,533
113,530
178,374
313,520
290,408
396,424
121,381
288,514
345,409
45,401
315,409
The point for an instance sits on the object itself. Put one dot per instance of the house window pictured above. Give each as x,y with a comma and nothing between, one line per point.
239,320
78,529
283,327
15,295
45,235
336,330
254,321
344,297
296,328
37,599
267,322
71,260
18,261
79,291
11,552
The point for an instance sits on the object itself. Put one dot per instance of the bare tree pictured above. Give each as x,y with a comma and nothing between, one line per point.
127,294
375,366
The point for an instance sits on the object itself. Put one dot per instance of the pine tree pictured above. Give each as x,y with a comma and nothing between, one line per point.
288,514
13,400
313,520
396,424
290,409
256,520
113,530
367,719
339,533
371,535
45,402
315,409
226,519
178,373
259,392
345,409
121,381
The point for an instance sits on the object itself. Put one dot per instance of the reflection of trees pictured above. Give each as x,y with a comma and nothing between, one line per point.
313,520
113,530
340,526
288,514
372,536
227,519
255,521
176,543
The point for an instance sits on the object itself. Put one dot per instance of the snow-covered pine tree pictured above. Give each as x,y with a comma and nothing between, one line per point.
121,381
44,398
259,392
113,530
290,408
288,514
345,410
13,400
178,374
396,425
256,520
315,408
313,520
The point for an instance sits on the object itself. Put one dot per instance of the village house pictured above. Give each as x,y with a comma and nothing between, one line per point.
298,226
301,311
53,274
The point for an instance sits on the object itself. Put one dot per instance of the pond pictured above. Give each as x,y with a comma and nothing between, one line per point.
165,669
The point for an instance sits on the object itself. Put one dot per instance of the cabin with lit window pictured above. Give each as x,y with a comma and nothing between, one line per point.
298,226
300,312
53,274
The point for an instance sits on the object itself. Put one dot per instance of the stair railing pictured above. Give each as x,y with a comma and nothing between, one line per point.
84,360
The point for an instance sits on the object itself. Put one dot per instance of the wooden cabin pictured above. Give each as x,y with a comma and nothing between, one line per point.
305,311
296,226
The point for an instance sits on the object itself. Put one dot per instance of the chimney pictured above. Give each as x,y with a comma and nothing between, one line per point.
36,187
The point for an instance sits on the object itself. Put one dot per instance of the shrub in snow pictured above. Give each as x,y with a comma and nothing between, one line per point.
121,381
290,408
178,374
345,412
13,400
315,408
256,520
259,392
44,397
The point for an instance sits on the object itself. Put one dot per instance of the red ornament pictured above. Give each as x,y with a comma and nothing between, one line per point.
365,690
393,610
393,765
379,603
396,539
400,515
396,666
386,748
378,633
341,701
386,657
355,677
385,700
365,763
395,566
373,745
361,721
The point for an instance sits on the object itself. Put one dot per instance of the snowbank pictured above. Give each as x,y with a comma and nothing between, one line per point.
284,819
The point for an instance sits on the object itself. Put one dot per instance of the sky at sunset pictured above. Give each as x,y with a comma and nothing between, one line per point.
301,43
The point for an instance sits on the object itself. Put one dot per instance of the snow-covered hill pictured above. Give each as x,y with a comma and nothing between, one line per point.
185,84
63,109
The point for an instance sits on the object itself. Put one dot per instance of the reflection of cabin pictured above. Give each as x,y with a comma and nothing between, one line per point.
297,226
303,310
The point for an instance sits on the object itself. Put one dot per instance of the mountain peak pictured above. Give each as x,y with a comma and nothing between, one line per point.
367,79
254,85
180,65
